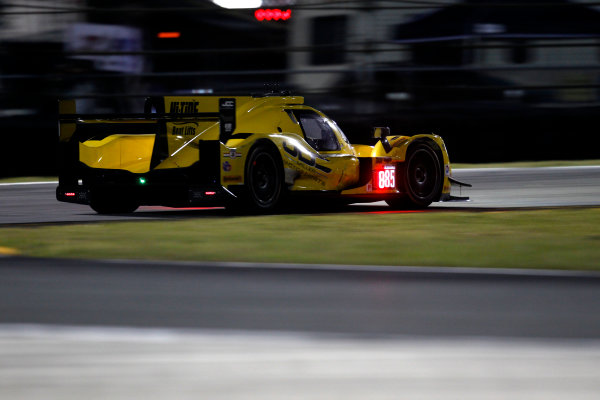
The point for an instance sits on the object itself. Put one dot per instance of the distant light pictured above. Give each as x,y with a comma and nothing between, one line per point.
238,3
202,91
168,35
142,180
275,14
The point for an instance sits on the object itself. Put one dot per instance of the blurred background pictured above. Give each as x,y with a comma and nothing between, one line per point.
500,80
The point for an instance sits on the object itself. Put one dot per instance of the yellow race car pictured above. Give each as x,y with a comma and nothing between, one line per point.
257,152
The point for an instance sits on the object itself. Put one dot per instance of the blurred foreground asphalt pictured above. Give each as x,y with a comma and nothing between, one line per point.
75,364
72,329
356,301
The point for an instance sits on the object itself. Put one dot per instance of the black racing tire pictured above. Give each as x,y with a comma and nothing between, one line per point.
109,202
264,179
421,178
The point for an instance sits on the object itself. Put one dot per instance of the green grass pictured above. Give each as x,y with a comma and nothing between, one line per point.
557,239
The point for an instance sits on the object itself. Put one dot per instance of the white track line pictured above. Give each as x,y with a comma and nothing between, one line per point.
29,183
453,169
528,169
367,268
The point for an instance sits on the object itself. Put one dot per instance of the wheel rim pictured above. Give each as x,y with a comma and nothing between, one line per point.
264,179
423,174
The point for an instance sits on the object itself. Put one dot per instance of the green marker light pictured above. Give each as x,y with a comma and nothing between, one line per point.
142,180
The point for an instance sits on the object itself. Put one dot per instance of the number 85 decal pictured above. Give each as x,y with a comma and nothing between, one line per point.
385,178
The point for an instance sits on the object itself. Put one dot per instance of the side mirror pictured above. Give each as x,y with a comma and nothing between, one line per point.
381,132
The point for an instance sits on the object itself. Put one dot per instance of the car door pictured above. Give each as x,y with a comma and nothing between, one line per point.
334,152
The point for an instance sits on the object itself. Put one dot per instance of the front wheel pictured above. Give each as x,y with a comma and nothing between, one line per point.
264,178
421,176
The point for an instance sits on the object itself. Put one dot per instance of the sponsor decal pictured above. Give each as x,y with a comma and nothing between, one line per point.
232,179
188,129
383,160
227,119
226,166
227,103
447,167
305,171
183,107
233,154
311,161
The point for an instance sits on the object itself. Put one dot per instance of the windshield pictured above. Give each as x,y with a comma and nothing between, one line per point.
319,132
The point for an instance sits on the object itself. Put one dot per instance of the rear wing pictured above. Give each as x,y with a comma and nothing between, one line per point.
155,109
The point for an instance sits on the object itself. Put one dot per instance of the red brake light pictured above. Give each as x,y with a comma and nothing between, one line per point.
275,14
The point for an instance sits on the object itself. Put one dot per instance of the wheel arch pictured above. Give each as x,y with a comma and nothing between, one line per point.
250,198
261,142
435,146
439,152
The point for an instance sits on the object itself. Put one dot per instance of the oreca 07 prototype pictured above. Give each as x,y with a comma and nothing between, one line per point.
240,151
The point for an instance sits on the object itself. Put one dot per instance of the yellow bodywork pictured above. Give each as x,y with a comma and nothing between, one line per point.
128,152
258,119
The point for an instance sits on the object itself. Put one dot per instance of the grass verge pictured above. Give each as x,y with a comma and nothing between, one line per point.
557,239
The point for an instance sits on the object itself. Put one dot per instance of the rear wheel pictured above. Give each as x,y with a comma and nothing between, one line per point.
264,178
422,178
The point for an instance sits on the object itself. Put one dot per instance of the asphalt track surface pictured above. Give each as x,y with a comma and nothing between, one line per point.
373,303
72,329
492,189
